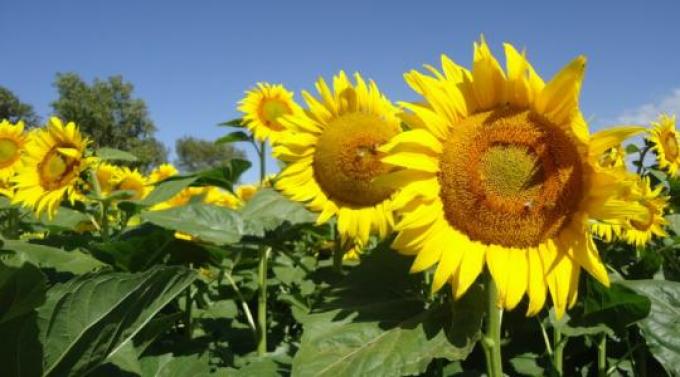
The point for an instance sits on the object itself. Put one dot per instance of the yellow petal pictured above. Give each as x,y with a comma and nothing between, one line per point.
559,99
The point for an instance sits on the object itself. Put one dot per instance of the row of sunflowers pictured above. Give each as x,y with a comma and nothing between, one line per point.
491,184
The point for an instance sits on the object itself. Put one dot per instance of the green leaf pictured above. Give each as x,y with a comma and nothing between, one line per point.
87,319
66,218
75,262
233,137
21,290
376,324
238,122
167,190
168,365
632,148
674,223
137,249
206,222
268,209
223,176
112,154
662,327
615,307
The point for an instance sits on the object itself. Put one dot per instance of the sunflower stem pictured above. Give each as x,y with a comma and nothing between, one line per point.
492,336
643,153
262,302
104,221
558,345
189,303
602,356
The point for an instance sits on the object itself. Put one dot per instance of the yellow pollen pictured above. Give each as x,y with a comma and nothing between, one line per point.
347,159
671,146
271,110
509,178
8,152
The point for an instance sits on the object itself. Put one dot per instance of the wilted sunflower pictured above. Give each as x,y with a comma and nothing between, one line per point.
501,170
332,156
640,231
162,172
51,167
12,143
132,180
263,108
664,138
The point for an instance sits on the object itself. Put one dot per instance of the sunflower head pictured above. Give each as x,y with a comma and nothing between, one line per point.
639,231
52,165
263,108
162,172
333,158
133,181
245,192
107,177
219,197
12,144
664,138
499,169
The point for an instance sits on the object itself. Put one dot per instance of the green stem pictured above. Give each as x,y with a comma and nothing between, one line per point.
263,161
187,313
602,356
104,221
558,354
492,336
262,302
642,158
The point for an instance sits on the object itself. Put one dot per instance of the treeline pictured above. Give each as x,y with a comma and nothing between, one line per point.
111,116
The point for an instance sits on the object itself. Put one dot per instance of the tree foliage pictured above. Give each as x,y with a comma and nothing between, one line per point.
12,109
109,114
195,154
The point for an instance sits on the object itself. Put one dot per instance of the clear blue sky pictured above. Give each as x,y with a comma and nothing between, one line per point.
192,61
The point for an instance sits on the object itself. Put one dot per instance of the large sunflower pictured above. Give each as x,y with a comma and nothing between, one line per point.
664,138
332,156
263,108
12,143
51,168
501,170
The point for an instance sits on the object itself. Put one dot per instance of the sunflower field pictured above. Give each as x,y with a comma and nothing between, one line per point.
482,230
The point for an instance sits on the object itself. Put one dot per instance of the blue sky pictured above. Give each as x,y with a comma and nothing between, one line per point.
192,61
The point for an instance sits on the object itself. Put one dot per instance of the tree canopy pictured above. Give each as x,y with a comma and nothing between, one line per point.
195,154
108,113
12,109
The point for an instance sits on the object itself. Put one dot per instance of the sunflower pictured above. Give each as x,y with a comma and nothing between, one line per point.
664,138
162,172
51,167
12,144
501,171
6,188
332,156
107,177
639,232
614,157
133,181
263,108
246,192
219,197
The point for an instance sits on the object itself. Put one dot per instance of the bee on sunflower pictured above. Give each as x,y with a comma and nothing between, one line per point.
51,167
332,158
501,171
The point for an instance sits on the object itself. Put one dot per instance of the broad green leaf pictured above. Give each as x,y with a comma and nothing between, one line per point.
168,365
674,223
166,190
268,209
632,148
87,319
206,222
21,290
615,307
112,154
261,367
136,250
375,323
527,364
224,176
662,327
66,218
75,262
233,137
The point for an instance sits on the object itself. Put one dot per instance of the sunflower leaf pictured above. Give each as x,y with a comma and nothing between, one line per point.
112,154
268,209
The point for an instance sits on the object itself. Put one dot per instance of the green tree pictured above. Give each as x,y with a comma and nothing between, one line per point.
196,154
12,109
109,114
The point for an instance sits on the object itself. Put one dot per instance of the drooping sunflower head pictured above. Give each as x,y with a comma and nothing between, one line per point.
133,181
162,172
638,232
333,159
664,138
263,108
52,165
501,171
12,144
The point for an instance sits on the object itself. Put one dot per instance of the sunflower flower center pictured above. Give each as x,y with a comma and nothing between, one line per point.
132,185
57,170
8,152
645,225
510,178
271,110
671,144
347,159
